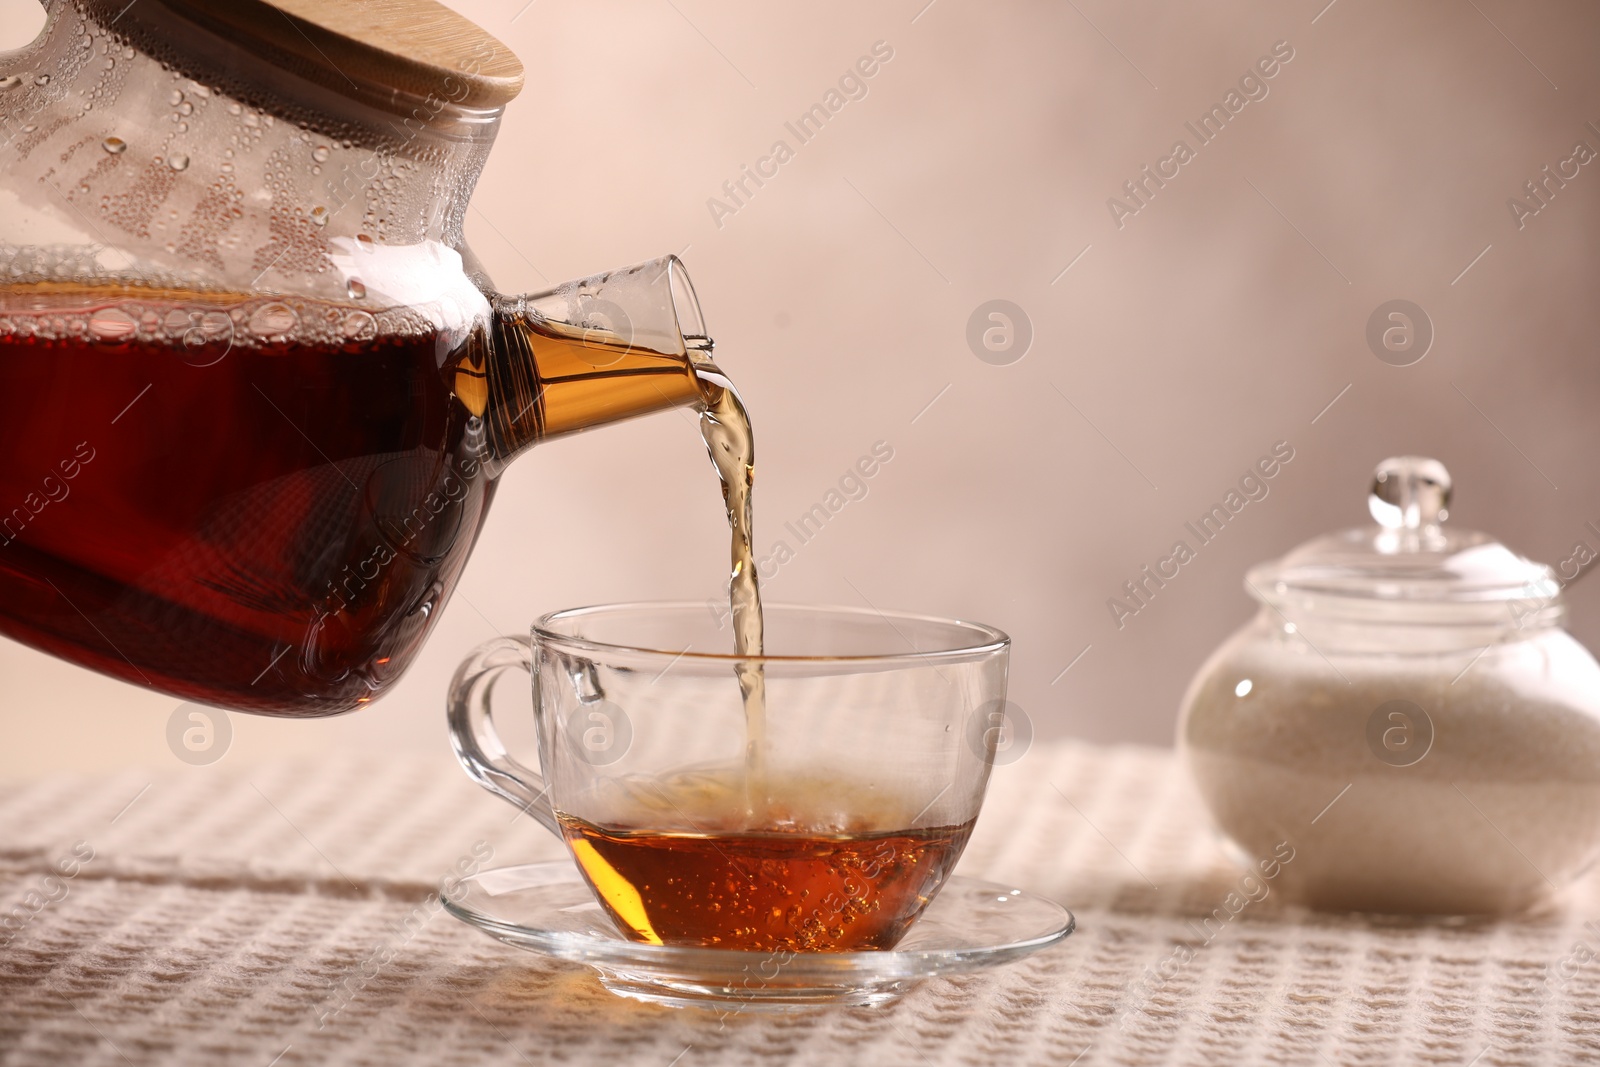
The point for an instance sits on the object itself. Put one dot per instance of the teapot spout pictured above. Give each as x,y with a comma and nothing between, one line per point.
586,353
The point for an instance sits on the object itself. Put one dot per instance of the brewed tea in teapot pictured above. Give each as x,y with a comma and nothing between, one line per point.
255,391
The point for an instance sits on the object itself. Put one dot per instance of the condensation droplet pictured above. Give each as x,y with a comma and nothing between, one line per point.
112,324
110,62
234,108
183,127
201,91
186,108
273,320
227,168
41,79
114,145
10,81
29,128
176,98
320,154
86,41
319,215
127,52
365,239
252,119
179,161
356,288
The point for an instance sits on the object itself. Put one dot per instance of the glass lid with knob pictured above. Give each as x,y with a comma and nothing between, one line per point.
1408,566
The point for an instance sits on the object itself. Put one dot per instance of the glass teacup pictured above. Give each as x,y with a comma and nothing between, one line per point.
830,829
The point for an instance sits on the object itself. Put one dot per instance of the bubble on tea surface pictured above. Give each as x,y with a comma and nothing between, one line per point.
112,324
359,326
273,320
207,336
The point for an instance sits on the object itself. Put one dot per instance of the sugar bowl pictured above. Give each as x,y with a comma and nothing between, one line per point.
1406,714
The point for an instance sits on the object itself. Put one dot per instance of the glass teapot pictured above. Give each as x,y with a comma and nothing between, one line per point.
255,390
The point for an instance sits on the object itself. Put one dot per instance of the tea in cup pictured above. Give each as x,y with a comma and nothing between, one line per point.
828,827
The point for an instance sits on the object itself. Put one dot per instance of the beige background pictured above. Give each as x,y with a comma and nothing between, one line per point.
1224,317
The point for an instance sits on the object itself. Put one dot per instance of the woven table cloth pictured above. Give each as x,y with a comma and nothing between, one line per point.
289,914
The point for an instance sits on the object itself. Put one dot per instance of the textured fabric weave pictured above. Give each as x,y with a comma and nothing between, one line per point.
246,917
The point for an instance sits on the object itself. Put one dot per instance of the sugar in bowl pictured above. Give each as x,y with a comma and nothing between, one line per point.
1405,717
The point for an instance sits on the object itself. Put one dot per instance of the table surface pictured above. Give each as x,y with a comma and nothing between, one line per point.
222,909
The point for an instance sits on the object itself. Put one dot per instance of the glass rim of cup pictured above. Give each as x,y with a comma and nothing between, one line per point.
987,639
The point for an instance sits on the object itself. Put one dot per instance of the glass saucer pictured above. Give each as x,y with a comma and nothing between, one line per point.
546,907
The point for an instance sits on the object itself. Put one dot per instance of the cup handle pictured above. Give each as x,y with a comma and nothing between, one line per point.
472,732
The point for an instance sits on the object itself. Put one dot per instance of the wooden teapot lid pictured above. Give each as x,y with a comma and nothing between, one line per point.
417,47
